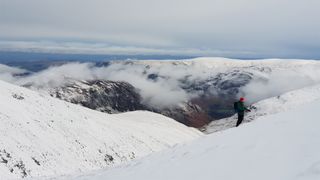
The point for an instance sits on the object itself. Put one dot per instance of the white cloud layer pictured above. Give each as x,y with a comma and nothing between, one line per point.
7,73
102,48
282,28
167,90
280,81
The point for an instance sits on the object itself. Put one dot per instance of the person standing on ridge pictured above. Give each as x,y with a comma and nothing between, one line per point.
240,109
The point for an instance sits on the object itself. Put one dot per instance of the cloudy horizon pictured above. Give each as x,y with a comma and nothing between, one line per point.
225,28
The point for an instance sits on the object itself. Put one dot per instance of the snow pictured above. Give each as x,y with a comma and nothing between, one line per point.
219,62
47,138
44,136
282,103
281,146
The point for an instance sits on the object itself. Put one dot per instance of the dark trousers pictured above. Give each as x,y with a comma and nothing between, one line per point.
240,119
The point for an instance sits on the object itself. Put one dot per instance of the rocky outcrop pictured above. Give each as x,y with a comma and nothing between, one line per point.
104,96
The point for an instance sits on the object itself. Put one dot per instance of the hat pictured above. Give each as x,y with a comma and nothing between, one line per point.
242,99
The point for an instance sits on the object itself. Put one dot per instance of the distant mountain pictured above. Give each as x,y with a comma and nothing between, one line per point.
44,136
37,61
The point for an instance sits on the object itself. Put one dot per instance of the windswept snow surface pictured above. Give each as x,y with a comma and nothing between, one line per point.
282,146
284,102
44,136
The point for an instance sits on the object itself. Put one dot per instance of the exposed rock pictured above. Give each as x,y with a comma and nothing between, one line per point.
105,96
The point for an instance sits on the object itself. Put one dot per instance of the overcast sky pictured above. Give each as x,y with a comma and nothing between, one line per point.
229,28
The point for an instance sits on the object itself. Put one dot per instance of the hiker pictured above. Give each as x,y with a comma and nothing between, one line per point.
240,109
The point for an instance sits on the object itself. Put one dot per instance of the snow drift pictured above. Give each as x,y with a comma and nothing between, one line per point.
280,146
44,136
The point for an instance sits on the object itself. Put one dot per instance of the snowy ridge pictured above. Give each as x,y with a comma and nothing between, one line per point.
44,136
276,147
282,103
219,62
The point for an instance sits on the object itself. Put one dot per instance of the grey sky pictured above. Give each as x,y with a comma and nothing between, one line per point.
231,28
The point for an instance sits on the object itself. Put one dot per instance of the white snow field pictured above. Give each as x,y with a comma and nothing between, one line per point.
44,136
283,146
281,103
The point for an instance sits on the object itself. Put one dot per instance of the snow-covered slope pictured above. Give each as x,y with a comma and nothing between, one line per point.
282,146
219,62
284,102
44,136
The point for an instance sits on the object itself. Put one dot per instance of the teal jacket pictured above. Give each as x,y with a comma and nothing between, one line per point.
241,108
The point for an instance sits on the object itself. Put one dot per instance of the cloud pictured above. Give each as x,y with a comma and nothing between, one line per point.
162,93
105,48
161,84
9,74
207,28
279,82
56,76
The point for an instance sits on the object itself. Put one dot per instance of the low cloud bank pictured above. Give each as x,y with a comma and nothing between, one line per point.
162,85
10,74
161,92
279,82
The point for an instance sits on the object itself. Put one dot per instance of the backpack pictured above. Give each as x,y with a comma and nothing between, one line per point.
235,106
